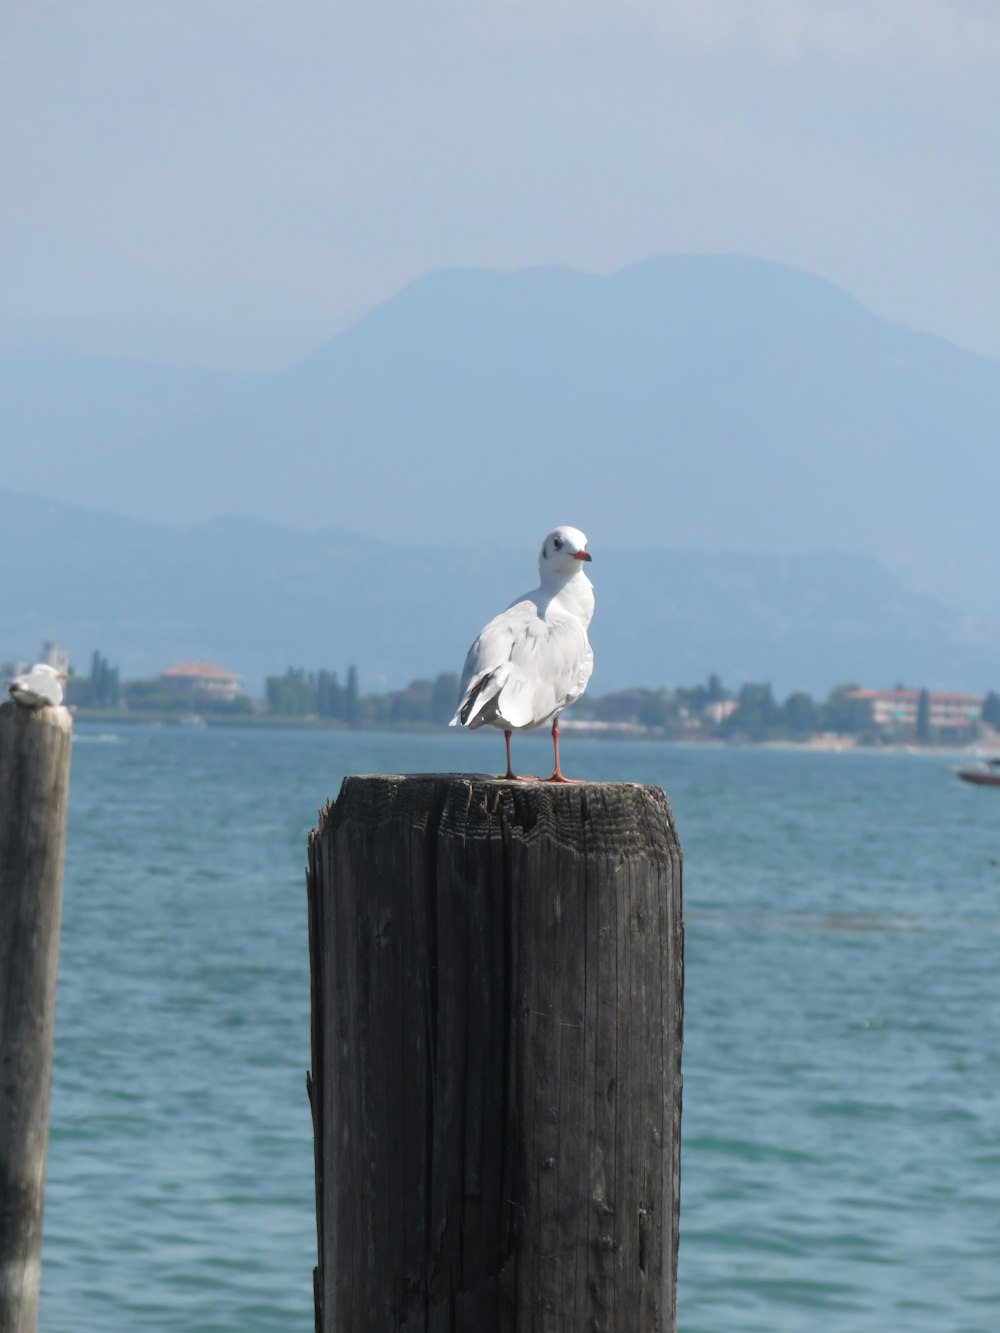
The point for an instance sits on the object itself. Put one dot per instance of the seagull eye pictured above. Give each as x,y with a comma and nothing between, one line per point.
557,543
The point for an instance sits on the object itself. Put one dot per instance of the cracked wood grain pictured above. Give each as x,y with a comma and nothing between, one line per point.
497,998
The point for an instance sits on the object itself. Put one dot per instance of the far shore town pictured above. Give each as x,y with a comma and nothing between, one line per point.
850,716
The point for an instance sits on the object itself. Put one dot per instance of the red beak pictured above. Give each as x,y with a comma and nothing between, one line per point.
580,555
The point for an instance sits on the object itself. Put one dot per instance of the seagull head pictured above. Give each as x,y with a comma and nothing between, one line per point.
563,552
43,669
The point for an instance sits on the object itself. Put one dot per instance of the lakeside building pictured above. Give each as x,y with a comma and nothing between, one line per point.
202,678
719,710
897,710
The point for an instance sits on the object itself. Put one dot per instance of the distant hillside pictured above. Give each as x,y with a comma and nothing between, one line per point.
256,597
700,403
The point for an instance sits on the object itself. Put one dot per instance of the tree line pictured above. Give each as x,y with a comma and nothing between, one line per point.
103,687
708,710
320,694
753,713
296,693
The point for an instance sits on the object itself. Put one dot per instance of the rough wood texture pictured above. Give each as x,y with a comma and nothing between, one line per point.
34,783
497,974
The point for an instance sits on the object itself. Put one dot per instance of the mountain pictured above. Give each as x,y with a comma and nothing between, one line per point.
694,402
257,597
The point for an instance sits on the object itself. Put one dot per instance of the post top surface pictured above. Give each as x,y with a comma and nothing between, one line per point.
58,717
631,818
518,784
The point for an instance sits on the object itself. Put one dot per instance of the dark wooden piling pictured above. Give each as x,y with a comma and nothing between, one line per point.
497,993
34,784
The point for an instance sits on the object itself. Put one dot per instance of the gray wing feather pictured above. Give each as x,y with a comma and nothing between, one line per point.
522,669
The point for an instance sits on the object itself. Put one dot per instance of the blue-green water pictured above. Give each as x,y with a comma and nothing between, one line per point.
841,1130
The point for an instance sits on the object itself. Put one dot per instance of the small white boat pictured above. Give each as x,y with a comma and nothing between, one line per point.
985,774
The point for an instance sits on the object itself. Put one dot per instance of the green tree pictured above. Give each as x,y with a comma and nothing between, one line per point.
101,689
841,713
621,706
715,692
293,694
373,709
351,698
105,684
329,695
799,713
412,704
657,709
756,713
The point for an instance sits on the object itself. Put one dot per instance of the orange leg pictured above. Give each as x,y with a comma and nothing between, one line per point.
557,775
510,774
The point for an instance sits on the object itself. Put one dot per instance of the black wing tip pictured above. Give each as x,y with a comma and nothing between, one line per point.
475,690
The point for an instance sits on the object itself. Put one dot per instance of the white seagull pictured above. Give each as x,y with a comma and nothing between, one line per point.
534,659
38,688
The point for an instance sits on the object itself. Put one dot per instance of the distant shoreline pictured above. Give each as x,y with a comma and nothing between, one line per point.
820,743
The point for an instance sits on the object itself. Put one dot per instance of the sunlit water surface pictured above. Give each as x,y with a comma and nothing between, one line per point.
841,1130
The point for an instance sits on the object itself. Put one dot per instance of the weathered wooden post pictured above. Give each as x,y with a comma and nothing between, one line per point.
497,993
34,784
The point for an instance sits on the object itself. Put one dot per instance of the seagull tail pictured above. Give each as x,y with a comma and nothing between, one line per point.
482,692
498,695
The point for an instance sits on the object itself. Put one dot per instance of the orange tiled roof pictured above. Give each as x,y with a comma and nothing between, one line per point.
200,671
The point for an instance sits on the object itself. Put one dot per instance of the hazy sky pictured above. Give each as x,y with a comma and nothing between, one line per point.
228,181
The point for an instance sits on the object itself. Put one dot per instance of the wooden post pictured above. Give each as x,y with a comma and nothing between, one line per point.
34,782
497,993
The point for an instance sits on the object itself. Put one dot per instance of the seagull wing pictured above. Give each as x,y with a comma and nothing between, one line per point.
522,670
36,690
557,659
493,686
